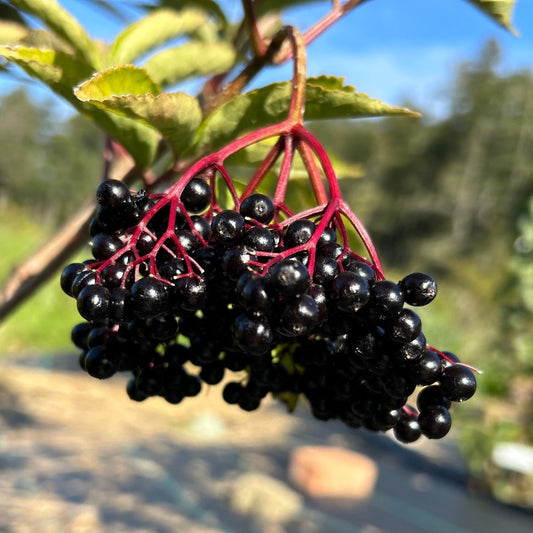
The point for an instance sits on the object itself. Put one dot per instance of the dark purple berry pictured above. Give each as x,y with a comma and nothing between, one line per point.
435,422
258,207
458,383
418,288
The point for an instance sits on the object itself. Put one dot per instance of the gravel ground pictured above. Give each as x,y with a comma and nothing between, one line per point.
76,455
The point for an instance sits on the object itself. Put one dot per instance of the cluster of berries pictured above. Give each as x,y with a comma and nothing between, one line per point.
178,284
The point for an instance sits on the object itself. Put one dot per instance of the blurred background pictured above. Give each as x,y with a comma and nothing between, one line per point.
450,194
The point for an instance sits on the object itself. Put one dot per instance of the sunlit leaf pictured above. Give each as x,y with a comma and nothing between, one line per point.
176,64
208,6
327,98
12,32
129,92
277,5
65,25
122,80
157,28
499,10
62,72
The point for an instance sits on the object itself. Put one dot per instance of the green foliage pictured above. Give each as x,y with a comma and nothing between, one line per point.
155,29
499,10
326,98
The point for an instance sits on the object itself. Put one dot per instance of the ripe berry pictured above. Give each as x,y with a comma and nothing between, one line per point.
435,422
407,429
196,196
148,298
418,288
405,327
101,364
258,207
69,274
228,227
298,232
93,303
350,291
458,383
112,193
253,334
289,277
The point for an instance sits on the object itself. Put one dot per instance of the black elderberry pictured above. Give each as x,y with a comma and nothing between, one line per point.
112,274
449,359
162,327
298,232
118,310
253,334
69,274
201,226
80,333
191,386
190,293
256,295
258,207
418,288
355,265
407,429
228,227
93,303
299,316
112,193
145,243
172,269
326,269
259,239
148,298
426,369
105,246
435,422
318,293
411,351
196,195
430,397
82,280
289,277
235,261
405,327
350,292
133,392
328,236
330,249
247,402
386,300
99,336
101,364
458,383
212,373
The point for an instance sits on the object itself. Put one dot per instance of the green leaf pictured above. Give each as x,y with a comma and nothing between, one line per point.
122,80
327,98
66,26
176,64
157,28
12,32
61,72
208,6
129,92
500,11
279,5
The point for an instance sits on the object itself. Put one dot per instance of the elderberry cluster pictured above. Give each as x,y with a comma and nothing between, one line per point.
181,291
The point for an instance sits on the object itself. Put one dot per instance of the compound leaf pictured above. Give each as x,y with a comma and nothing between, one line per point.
500,11
155,29
129,92
210,7
121,80
61,72
178,63
65,26
327,98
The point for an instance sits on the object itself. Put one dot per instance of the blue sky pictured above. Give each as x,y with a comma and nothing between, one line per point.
395,50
